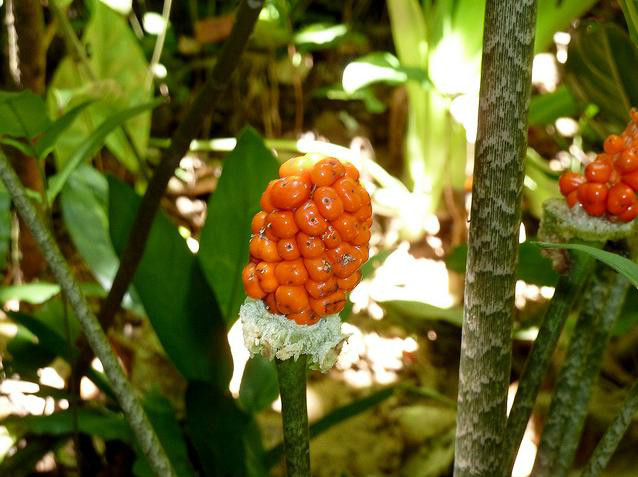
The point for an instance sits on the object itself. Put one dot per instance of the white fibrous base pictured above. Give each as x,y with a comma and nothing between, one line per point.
275,336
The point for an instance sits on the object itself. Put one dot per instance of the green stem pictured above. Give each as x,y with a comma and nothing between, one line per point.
490,280
568,289
294,413
608,444
561,435
98,341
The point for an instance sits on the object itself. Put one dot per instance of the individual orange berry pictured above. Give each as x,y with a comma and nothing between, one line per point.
297,166
367,223
254,247
282,223
364,213
595,209
319,269
349,193
598,171
331,237
351,281
631,180
614,144
329,305
288,249
328,202
271,303
347,226
309,246
630,214
344,260
627,162
266,275
291,272
266,198
365,196
327,171
305,317
251,282
309,220
262,248
569,182
592,193
362,252
291,299
362,237
619,198
321,289
351,171
289,192
259,220
572,198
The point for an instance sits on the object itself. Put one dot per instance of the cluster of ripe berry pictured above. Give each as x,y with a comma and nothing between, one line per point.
610,183
310,239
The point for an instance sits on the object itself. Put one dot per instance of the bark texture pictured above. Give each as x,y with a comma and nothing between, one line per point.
294,413
508,42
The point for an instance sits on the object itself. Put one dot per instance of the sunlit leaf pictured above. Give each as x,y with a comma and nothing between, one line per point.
22,114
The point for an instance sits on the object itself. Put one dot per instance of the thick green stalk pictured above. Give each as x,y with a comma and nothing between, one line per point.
568,410
98,341
486,345
294,413
608,444
568,289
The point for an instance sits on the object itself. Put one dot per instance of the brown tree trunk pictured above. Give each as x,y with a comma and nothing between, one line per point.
26,61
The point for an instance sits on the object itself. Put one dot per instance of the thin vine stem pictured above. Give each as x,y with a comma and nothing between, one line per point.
98,341
294,414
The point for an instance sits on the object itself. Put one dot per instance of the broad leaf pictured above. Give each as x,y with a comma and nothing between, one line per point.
120,67
223,247
180,305
46,142
259,386
22,114
557,15
379,67
601,68
622,265
630,10
424,311
223,435
92,144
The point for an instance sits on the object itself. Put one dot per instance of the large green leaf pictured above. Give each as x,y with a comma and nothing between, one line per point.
557,15
120,67
180,305
89,146
22,114
164,421
601,68
223,249
259,387
225,437
619,263
378,67
46,142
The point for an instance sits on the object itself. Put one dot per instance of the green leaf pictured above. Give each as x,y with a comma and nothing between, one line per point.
424,311
622,265
546,108
557,15
337,416
180,305
379,67
320,35
601,68
46,142
22,114
223,247
34,292
120,67
92,144
25,356
259,386
533,267
630,10
163,418
223,435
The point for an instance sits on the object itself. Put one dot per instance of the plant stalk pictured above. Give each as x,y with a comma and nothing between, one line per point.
98,341
486,347
567,291
614,433
294,414
563,428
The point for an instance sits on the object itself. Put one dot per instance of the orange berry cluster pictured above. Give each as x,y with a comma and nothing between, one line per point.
610,183
310,239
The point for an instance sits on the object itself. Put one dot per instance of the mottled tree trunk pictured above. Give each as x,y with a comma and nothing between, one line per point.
508,42
26,61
